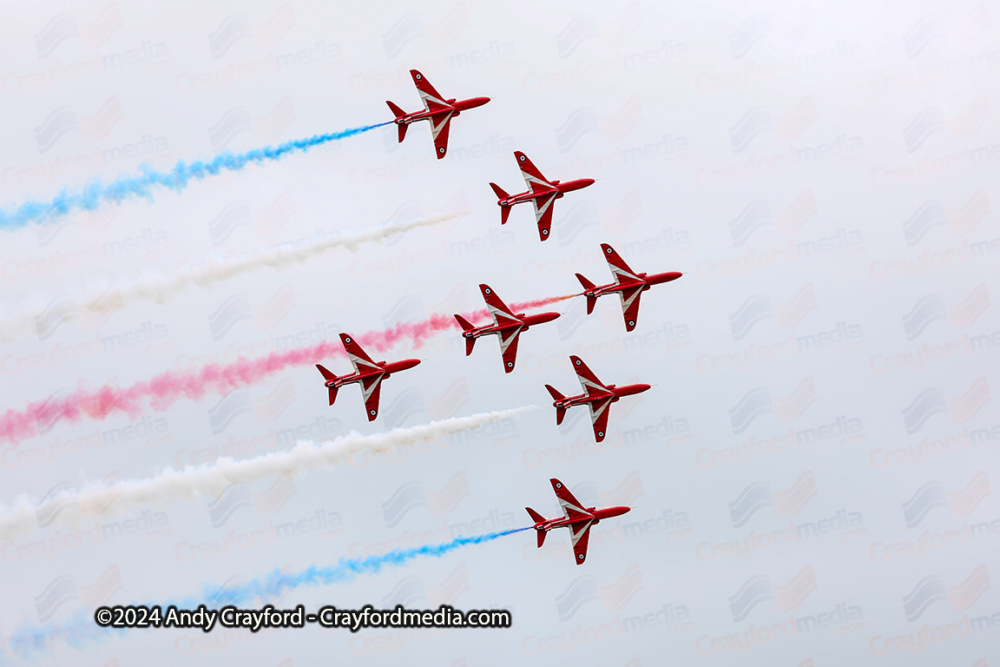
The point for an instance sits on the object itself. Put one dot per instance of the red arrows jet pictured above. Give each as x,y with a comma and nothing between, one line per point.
595,396
437,110
506,325
541,192
578,519
628,284
366,372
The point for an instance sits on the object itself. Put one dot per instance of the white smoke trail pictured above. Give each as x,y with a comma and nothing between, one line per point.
95,500
160,288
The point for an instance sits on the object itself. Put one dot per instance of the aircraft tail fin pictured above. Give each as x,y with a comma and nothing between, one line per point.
333,394
470,342
541,537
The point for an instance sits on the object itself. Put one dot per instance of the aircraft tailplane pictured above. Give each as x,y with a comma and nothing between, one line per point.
470,342
402,126
498,191
587,286
554,393
560,415
537,518
583,281
560,411
395,110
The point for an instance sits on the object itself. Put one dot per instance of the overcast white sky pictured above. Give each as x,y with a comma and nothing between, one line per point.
824,176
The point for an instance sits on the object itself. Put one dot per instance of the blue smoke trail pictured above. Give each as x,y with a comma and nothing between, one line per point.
81,629
278,582
178,178
74,632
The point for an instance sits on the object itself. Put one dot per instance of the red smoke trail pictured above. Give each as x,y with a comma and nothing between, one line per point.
417,332
167,387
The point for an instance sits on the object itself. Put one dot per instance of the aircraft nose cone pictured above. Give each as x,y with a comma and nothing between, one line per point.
406,364
584,182
639,388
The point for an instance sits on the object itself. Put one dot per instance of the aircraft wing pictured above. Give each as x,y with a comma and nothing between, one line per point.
571,507
361,361
591,385
599,417
370,389
543,214
431,98
439,131
580,535
502,315
532,177
619,269
508,347
630,306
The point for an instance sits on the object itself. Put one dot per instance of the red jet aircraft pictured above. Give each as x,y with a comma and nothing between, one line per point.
628,284
541,192
506,325
437,110
595,396
366,372
578,519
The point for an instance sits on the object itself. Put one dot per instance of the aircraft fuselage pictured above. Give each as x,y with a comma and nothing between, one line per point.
597,513
559,189
614,392
645,281
526,321
455,107
387,370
